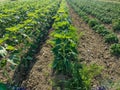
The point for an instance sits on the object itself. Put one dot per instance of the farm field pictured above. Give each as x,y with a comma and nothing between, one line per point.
59,45
113,1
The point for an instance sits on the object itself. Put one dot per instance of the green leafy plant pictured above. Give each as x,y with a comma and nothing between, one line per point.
89,72
93,22
111,38
116,25
106,20
82,76
101,30
64,42
115,49
86,19
23,26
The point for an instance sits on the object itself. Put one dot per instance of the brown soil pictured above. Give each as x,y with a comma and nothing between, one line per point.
4,78
107,26
92,49
39,77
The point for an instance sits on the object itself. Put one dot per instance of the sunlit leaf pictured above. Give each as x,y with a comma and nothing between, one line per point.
9,47
3,51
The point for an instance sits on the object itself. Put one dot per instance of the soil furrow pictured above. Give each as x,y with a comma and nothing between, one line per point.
107,26
92,49
39,77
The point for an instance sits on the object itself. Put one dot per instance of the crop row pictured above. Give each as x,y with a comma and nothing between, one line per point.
66,62
23,38
109,37
12,16
106,12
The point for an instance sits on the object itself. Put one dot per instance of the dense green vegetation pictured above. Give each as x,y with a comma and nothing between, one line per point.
65,43
23,26
104,11
81,7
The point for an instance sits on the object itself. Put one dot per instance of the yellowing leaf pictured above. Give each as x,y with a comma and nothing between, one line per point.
1,41
10,48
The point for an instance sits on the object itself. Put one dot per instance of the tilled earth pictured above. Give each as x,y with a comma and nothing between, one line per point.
92,49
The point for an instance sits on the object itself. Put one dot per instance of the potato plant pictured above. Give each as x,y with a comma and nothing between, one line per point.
18,43
104,11
95,24
115,49
64,42
111,38
116,25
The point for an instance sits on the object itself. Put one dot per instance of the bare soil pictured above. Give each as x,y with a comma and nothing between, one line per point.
92,49
40,77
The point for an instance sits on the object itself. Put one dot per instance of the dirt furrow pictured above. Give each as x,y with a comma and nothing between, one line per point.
92,49
107,26
39,77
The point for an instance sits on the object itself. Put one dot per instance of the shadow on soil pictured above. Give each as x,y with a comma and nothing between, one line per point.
24,68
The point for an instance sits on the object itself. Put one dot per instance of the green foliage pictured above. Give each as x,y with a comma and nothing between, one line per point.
111,38
89,72
106,20
86,19
115,49
64,42
82,76
76,82
104,11
93,22
100,29
3,63
3,87
23,25
116,25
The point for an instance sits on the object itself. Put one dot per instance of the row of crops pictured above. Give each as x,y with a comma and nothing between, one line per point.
23,25
75,76
109,36
106,12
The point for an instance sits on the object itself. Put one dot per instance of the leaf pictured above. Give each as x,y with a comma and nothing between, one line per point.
3,63
2,86
3,51
11,61
29,58
9,47
51,42
13,29
1,40
61,36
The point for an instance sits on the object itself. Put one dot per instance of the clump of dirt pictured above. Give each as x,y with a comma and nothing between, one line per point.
92,49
